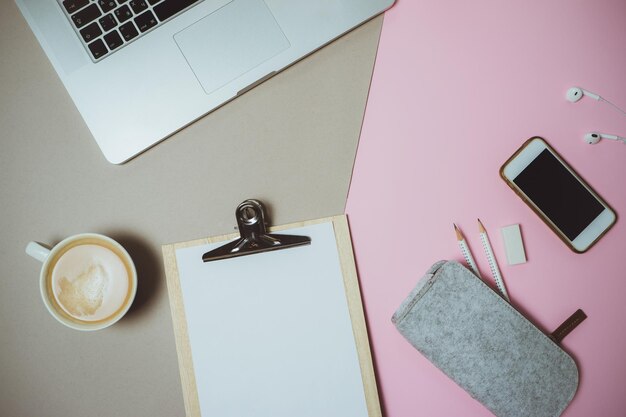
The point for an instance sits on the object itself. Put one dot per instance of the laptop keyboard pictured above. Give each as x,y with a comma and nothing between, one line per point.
105,26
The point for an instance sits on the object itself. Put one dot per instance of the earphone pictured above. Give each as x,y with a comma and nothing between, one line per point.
574,94
594,137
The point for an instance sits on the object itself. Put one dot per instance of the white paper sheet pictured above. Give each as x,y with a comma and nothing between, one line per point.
270,333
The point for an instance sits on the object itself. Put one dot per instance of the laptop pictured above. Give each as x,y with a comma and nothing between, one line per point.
140,70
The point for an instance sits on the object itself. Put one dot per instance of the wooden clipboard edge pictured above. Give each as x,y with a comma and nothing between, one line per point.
181,334
353,296
357,314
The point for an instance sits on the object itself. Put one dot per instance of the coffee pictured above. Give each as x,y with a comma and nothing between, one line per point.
90,281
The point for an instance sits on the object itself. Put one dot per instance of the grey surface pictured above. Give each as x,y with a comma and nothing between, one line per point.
290,142
482,343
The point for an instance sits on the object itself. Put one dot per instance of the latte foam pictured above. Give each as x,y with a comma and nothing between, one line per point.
90,282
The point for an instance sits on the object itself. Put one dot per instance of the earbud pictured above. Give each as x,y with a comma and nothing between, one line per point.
576,93
594,137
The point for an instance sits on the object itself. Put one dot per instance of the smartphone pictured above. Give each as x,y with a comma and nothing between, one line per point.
566,203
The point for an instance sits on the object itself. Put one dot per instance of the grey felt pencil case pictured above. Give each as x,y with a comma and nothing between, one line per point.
486,346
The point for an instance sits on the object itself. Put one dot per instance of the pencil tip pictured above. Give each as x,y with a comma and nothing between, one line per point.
481,227
459,235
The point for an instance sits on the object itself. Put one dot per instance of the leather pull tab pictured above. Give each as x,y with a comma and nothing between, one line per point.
568,325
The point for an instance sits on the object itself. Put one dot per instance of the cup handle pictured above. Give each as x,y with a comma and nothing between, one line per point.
37,251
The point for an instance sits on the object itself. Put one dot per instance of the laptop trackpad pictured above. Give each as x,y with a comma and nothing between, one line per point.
230,42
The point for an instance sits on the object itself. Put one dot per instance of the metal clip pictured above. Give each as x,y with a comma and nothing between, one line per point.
254,237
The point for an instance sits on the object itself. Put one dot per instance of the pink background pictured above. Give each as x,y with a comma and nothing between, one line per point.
457,88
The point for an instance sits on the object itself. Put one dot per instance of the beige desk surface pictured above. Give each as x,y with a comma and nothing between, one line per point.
290,142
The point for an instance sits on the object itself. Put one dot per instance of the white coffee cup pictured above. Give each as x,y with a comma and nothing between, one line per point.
87,281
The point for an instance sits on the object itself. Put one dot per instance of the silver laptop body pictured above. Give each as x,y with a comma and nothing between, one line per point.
135,85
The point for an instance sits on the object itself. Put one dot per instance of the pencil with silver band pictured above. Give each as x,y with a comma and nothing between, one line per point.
467,254
493,265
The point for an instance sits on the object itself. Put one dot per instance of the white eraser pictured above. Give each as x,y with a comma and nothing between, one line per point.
513,245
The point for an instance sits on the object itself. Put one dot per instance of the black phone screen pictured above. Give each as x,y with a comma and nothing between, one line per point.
559,194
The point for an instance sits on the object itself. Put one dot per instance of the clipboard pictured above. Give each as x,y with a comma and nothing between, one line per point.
255,338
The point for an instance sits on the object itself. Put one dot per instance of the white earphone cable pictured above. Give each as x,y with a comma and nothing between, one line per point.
614,106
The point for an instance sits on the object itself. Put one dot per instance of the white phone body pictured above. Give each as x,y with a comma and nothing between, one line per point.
535,172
